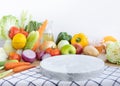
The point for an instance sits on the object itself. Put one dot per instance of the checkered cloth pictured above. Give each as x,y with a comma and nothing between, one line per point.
32,77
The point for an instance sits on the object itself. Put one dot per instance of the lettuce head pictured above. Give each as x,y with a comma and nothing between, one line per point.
5,23
113,52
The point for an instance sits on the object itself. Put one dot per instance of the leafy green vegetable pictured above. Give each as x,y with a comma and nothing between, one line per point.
113,52
5,23
32,26
63,36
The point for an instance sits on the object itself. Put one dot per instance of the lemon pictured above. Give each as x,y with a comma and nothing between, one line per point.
19,41
109,38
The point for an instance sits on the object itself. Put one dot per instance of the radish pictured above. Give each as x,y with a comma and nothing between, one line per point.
28,55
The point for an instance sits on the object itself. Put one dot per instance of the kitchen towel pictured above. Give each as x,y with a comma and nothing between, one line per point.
32,77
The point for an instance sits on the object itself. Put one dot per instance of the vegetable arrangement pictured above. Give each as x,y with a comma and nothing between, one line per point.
22,39
22,44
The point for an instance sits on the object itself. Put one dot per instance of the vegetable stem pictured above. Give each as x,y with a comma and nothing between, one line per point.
3,74
1,67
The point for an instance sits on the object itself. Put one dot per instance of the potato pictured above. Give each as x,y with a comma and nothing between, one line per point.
91,50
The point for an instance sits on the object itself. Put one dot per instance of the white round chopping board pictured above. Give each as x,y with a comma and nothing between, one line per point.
71,67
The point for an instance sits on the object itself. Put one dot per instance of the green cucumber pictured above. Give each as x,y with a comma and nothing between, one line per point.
32,39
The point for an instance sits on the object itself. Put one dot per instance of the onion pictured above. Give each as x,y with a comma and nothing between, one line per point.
28,55
39,54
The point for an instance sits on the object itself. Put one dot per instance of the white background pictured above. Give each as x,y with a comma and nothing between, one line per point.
95,18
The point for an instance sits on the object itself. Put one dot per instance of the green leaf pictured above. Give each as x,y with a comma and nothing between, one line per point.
32,26
6,23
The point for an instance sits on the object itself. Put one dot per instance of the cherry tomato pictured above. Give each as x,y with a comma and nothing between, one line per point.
53,51
13,31
14,56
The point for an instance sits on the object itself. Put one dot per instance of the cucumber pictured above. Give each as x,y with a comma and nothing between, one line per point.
32,39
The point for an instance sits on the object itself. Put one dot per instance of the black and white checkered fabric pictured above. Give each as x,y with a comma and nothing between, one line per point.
32,77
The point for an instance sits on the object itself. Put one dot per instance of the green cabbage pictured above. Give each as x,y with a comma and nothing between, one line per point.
113,52
5,23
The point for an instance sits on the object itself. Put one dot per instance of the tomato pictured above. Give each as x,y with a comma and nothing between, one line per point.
23,32
14,56
13,31
53,51
48,50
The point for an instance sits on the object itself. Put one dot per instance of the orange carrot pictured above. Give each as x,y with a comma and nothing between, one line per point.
22,68
40,30
11,65
36,46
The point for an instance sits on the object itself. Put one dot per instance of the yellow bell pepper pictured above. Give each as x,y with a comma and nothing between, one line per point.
80,38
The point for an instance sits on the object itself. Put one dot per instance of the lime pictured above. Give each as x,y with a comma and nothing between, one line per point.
19,41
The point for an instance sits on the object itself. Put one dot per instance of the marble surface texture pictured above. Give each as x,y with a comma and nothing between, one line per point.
72,67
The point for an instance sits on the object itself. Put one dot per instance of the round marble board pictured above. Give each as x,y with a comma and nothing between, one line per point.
71,67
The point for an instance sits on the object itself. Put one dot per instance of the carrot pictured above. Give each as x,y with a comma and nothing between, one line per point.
11,65
22,68
36,46
40,30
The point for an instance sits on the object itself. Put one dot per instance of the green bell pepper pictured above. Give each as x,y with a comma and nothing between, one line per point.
63,36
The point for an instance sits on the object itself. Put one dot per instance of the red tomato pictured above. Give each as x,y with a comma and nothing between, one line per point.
23,32
13,31
53,51
48,50
14,56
